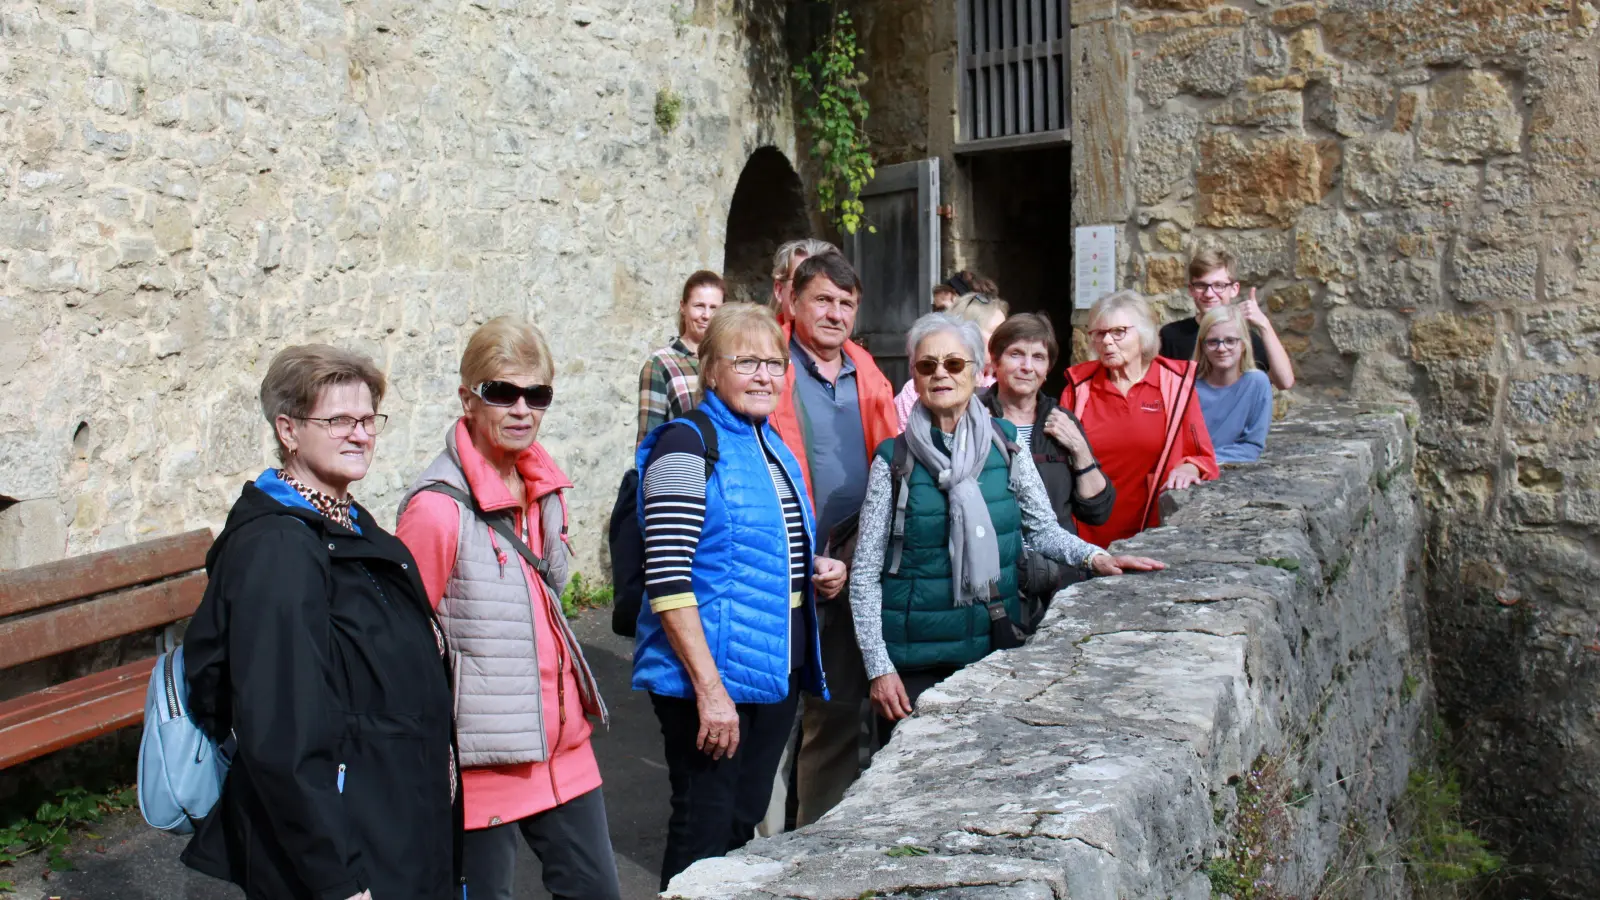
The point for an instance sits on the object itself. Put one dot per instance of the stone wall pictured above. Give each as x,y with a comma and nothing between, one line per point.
1412,186
1108,757
187,186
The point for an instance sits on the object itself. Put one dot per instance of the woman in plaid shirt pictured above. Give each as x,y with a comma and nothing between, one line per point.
670,378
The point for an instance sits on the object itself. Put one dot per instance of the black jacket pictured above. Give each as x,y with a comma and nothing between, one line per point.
314,645
1054,463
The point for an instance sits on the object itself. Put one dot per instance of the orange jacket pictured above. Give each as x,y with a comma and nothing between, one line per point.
873,391
1193,443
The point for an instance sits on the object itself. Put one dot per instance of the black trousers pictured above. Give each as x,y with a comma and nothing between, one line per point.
572,843
716,804
915,683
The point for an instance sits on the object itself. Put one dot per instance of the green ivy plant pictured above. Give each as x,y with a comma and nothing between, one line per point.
49,829
835,112
582,594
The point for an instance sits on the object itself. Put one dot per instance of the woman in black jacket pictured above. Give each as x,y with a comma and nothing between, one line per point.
316,649
1022,351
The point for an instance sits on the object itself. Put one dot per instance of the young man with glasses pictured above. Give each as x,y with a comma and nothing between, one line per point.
835,407
1212,284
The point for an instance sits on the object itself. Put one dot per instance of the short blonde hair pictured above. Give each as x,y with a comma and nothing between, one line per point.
977,307
1144,320
732,322
298,375
1221,315
502,344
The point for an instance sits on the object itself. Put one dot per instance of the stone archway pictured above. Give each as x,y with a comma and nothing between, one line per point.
768,209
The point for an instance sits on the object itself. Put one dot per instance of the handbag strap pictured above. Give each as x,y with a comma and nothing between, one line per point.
1180,408
500,524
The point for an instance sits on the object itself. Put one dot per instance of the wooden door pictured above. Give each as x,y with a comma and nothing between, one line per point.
898,260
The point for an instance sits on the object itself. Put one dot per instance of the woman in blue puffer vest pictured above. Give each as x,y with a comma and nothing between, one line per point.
729,635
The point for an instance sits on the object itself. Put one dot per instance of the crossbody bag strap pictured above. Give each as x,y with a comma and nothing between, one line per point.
1180,408
708,436
500,524
900,478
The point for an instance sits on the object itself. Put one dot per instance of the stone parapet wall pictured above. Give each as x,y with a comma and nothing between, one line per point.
1105,759
187,186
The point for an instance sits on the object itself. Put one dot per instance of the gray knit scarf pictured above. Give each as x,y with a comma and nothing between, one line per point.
974,550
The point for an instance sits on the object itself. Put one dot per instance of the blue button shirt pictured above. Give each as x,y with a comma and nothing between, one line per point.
836,442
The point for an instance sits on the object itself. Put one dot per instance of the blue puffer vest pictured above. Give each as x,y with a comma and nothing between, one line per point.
741,573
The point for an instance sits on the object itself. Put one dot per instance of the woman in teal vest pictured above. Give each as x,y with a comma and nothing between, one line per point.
934,583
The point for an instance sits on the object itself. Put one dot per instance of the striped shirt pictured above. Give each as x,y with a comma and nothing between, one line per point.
674,517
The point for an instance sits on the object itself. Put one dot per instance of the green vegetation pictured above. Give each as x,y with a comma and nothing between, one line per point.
50,828
907,850
1261,829
669,109
835,114
1441,851
582,594
1408,687
1285,563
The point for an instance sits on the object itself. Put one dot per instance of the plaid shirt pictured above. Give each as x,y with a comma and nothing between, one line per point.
667,385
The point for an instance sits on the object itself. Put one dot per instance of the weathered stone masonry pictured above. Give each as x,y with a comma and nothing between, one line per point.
1100,761
188,186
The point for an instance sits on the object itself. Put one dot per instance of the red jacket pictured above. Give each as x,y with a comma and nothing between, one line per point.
873,391
1193,442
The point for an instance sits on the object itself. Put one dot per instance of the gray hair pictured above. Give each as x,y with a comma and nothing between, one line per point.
1144,320
807,247
938,323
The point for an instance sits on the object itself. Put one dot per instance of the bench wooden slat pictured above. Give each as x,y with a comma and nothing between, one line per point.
71,713
37,587
27,638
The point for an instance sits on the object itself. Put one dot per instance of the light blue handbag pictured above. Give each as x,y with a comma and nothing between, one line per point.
181,770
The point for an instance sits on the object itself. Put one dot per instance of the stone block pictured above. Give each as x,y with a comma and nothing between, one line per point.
174,229
1168,236
1207,62
1469,116
1387,38
22,228
1561,335
1447,336
1356,330
1101,97
1556,399
1262,183
1271,111
1463,391
1262,254
1166,157
1496,276
1350,105
1165,274
1324,245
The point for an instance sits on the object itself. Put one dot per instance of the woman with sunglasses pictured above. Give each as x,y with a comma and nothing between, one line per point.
933,587
1235,396
729,636
487,521
1139,413
984,310
316,650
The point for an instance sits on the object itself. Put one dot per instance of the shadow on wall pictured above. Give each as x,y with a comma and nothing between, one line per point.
768,209
766,58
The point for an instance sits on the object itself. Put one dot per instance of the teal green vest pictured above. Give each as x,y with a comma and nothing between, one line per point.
922,626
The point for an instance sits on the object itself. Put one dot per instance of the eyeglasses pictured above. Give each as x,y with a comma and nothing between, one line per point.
954,365
1219,343
504,393
1116,334
747,365
1212,287
341,427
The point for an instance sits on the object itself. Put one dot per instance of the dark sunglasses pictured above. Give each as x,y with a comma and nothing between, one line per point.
504,393
955,365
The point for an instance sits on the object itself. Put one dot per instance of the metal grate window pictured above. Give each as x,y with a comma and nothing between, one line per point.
1015,78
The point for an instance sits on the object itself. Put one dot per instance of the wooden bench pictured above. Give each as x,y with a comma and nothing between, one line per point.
79,602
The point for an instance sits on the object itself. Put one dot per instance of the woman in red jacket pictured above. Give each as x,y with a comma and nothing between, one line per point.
1127,399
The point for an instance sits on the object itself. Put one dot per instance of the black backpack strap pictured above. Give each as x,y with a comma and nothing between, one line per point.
708,436
501,525
900,477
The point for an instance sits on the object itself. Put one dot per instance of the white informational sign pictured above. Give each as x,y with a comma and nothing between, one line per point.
1094,263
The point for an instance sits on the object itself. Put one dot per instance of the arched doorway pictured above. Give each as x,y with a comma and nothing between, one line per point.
768,209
